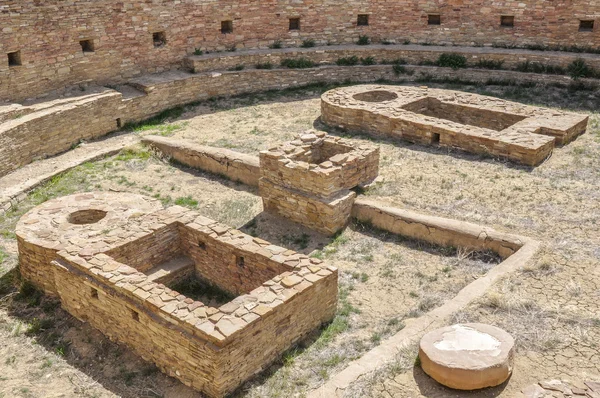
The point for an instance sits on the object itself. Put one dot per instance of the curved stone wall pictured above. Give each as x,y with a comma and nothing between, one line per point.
53,43
28,133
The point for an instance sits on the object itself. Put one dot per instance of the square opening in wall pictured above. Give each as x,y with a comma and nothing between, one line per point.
586,26
294,23
507,21
87,46
226,27
362,20
159,39
434,19
14,58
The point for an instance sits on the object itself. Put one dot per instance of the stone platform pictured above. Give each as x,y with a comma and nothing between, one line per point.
467,356
112,257
470,122
309,180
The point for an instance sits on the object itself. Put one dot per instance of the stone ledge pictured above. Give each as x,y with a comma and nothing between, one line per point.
231,164
411,53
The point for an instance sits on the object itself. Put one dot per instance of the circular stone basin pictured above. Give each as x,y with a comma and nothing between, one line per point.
376,96
467,356
87,216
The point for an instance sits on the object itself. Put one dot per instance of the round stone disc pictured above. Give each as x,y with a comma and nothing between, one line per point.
467,356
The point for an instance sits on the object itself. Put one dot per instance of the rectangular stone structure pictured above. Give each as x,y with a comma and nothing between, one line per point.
309,180
470,122
110,266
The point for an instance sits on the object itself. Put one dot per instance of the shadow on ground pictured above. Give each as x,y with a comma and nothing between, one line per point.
431,389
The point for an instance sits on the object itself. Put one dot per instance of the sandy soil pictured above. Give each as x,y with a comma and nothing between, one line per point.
550,307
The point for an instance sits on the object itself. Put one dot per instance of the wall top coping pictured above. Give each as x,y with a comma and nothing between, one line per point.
391,47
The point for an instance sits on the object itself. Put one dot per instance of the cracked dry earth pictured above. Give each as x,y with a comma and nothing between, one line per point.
550,305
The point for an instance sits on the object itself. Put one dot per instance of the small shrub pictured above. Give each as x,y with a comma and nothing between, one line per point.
299,63
489,64
397,61
266,65
452,60
578,69
406,42
368,61
198,51
237,67
363,40
347,61
401,70
276,44
232,49
187,201
308,43
535,67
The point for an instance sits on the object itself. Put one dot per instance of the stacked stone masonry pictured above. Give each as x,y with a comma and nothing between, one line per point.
412,54
309,179
231,164
107,256
470,122
53,43
41,128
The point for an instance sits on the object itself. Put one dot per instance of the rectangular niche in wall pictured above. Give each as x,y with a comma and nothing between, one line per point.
434,19
294,23
87,46
507,21
226,27
362,20
586,26
14,58
159,39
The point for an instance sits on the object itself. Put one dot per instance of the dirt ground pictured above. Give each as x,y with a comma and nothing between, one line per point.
550,306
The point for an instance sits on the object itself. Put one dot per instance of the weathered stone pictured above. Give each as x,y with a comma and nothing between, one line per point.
467,357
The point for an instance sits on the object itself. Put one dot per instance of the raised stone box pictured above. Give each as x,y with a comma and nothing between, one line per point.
309,179
111,258
471,122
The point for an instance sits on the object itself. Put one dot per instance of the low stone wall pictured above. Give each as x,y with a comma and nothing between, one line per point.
233,165
53,130
436,230
412,54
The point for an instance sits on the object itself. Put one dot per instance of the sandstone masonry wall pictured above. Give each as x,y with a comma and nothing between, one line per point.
51,131
132,37
63,125
211,349
437,230
231,164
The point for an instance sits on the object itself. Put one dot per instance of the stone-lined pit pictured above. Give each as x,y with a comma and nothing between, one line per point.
376,96
88,216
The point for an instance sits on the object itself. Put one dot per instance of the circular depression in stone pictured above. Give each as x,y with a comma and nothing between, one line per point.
52,224
87,216
467,356
376,96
